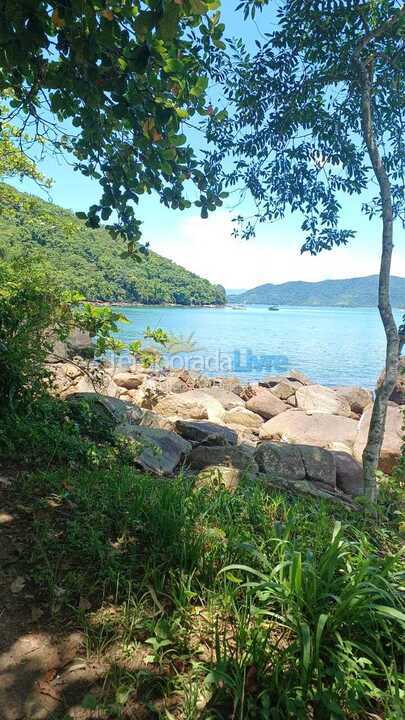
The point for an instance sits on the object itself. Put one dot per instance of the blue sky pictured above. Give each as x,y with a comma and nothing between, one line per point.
207,246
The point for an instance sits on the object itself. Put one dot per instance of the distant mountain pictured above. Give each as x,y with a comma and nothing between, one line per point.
235,291
353,292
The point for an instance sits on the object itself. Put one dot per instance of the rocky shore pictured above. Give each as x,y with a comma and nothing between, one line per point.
286,430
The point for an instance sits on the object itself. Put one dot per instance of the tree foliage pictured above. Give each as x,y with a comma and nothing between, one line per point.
87,262
294,131
113,84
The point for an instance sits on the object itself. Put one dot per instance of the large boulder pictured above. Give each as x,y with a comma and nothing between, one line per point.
128,380
281,460
318,429
357,397
161,451
284,389
193,405
349,474
294,377
244,417
227,398
153,420
203,432
239,456
320,399
393,436
296,462
319,464
265,404
398,393
108,408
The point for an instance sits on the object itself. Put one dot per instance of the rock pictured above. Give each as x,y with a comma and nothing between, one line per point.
227,398
202,432
299,376
340,447
320,399
109,408
357,397
281,460
245,435
265,404
269,381
296,462
231,384
319,464
312,489
128,380
393,437
398,393
349,474
239,456
294,377
173,384
243,416
317,429
153,420
161,452
215,475
193,404
284,389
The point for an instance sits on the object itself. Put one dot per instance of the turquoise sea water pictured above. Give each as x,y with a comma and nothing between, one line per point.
334,346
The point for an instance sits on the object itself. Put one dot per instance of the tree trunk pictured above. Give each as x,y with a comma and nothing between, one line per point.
372,450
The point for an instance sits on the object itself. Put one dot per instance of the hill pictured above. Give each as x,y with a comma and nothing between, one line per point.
351,292
90,261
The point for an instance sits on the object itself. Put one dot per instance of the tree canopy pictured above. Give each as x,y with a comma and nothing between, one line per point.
113,84
294,129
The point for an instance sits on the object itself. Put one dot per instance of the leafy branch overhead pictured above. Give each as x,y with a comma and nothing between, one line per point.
113,85
293,131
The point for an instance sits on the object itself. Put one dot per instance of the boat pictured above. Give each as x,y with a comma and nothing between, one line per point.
273,307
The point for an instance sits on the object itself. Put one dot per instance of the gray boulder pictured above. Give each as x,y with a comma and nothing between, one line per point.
202,432
281,460
349,474
319,464
161,451
110,408
239,456
296,462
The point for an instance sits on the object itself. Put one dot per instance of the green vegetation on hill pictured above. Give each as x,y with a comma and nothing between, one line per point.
350,292
89,262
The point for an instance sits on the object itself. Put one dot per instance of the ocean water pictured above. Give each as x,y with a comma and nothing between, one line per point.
333,346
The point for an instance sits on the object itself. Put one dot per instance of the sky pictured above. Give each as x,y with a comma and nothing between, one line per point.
207,247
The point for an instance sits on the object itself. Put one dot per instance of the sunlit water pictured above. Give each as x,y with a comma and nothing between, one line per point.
334,346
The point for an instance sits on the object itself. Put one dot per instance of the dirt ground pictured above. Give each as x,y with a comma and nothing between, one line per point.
44,671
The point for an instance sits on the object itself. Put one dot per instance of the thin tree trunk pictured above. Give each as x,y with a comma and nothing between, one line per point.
372,450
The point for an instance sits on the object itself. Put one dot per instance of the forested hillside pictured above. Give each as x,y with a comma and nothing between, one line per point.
90,261
351,292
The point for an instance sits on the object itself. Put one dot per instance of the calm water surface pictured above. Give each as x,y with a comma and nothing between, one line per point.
334,346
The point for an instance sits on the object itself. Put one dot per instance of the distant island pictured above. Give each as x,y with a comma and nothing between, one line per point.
351,292
92,263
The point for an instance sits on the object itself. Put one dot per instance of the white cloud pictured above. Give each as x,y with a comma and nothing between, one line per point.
207,248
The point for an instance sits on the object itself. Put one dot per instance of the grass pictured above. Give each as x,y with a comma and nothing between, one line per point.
236,605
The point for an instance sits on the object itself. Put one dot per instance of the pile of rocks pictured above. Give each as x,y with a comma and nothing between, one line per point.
285,429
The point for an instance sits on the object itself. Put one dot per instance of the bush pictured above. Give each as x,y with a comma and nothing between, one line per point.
30,304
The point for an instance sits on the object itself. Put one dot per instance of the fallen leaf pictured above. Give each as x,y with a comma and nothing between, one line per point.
17,585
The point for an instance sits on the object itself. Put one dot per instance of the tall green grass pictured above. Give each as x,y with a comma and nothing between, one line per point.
250,605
